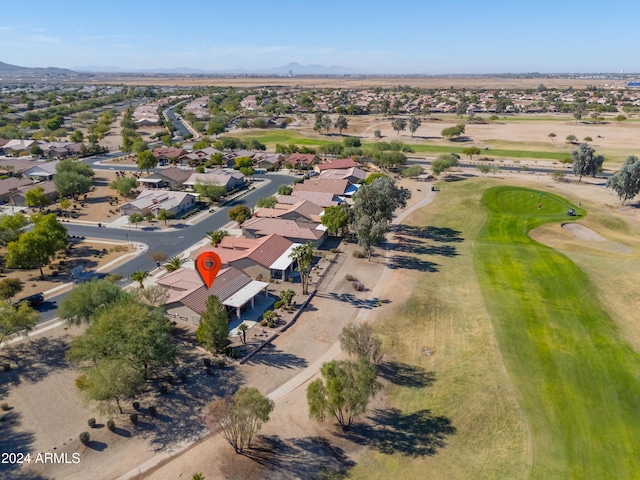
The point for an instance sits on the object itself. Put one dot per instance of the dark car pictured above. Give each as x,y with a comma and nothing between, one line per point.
32,300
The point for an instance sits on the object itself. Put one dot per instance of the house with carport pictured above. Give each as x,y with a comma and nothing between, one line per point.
187,293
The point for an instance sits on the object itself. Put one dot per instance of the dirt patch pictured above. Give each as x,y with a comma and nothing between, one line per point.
90,254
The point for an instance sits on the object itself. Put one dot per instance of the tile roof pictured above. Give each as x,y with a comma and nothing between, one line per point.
286,228
13,183
304,208
264,250
187,288
353,172
319,198
337,187
338,163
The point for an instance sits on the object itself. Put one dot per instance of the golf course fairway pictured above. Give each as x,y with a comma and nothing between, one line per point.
576,380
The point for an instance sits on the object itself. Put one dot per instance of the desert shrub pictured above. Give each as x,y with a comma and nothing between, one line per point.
91,422
358,254
80,381
170,379
134,418
163,389
6,367
183,377
334,250
358,286
350,278
263,323
111,425
153,411
278,304
4,407
221,364
207,362
85,437
136,406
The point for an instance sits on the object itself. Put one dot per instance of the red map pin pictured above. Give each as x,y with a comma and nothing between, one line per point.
208,265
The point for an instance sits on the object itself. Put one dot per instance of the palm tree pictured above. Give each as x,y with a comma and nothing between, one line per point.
216,236
140,276
243,329
174,264
303,255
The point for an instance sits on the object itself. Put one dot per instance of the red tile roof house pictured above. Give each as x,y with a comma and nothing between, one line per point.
260,258
172,177
150,202
188,294
297,232
337,164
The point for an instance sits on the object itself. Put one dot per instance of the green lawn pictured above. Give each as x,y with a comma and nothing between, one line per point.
576,380
290,136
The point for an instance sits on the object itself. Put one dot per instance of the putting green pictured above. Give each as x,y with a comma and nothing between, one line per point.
577,381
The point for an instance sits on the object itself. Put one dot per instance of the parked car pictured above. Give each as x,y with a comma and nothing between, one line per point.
32,300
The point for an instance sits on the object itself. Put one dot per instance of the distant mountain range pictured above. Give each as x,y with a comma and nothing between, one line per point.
294,68
7,70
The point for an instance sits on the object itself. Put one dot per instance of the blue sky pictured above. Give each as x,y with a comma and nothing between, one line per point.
406,36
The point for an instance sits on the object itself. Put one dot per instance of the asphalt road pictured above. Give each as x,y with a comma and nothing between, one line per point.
173,242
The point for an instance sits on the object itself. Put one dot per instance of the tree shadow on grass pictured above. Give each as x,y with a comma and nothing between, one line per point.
406,375
438,234
390,431
296,458
411,263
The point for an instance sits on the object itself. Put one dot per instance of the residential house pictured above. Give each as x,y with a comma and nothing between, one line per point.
336,164
301,211
260,258
150,202
16,166
303,160
171,177
268,161
295,231
41,170
322,199
188,294
325,185
60,149
17,147
167,155
9,186
19,198
218,177
353,174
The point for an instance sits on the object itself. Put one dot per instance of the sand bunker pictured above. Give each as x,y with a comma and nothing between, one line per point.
584,233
